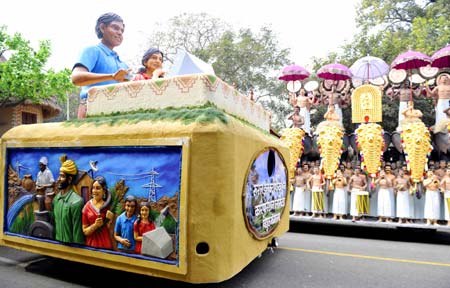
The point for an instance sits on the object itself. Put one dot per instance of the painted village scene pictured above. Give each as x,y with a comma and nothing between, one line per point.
104,198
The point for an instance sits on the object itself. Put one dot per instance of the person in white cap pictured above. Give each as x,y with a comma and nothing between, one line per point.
44,177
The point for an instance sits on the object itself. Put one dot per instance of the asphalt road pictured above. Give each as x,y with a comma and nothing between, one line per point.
310,255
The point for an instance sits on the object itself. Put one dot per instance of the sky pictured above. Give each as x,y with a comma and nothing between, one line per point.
307,28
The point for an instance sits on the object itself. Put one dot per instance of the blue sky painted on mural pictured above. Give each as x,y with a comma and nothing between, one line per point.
279,173
114,163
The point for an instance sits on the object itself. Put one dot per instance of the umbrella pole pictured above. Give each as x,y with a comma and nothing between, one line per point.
368,72
410,86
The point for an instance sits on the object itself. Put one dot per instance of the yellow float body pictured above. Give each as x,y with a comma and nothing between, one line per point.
216,159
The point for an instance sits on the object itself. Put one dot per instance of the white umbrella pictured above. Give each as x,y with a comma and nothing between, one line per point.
369,67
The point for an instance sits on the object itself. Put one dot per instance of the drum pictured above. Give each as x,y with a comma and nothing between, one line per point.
317,201
362,202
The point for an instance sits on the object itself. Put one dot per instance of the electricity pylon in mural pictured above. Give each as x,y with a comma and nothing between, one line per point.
152,185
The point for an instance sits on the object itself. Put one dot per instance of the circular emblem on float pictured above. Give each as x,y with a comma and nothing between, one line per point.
265,192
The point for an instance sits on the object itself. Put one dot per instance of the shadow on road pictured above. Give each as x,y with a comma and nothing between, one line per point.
397,234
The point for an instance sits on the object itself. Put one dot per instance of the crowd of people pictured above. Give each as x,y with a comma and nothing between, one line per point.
391,196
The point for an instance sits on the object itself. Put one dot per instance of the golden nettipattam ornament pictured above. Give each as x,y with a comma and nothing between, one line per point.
416,144
293,137
330,146
370,143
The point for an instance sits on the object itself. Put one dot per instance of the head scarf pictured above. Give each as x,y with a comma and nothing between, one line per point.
68,166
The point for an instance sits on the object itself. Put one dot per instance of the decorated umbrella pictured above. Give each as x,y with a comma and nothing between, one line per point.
409,61
293,74
335,72
441,58
369,67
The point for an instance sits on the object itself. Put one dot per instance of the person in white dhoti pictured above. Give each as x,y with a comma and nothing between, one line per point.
318,201
302,195
304,102
441,95
432,198
401,187
357,184
385,209
339,208
445,185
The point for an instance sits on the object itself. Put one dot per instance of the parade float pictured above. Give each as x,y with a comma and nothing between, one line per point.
192,146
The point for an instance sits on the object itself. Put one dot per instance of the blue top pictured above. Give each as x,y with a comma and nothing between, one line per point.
124,228
99,59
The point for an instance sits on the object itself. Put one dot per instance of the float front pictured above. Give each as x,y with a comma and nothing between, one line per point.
176,178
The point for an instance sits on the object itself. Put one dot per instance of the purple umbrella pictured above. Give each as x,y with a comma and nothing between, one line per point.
441,58
411,60
293,73
334,72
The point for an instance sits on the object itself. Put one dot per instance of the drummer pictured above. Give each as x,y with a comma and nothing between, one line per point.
357,184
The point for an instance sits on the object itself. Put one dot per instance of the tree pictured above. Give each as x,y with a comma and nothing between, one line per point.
23,77
247,59
190,31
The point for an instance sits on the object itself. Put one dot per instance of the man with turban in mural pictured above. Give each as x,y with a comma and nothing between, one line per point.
67,205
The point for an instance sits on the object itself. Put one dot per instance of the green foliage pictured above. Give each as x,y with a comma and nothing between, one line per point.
23,77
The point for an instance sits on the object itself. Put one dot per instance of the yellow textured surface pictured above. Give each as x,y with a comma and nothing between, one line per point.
370,144
416,145
366,102
293,137
330,146
216,159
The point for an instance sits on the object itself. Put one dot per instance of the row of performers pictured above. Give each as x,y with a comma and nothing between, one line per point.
389,196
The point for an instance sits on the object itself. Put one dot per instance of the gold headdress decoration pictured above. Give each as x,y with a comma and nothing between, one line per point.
67,166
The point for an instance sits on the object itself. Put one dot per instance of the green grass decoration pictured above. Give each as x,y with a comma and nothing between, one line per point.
202,114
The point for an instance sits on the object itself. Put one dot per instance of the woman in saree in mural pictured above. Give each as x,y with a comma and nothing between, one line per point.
96,217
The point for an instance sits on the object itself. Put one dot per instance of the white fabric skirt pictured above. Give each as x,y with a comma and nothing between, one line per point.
307,119
432,205
302,200
386,205
339,201
404,204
